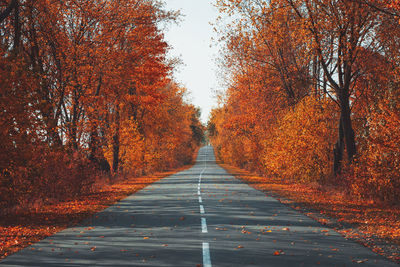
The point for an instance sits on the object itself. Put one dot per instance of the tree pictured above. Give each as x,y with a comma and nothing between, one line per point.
287,63
80,84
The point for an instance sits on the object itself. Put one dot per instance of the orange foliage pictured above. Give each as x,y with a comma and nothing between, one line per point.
86,92
300,144
377,172
312,93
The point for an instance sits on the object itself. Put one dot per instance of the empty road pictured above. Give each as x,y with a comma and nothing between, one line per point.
199,217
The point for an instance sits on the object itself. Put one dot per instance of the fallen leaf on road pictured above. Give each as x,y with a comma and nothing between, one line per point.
360,261
240,246
146,237
93,248
182,218
279,252
285,229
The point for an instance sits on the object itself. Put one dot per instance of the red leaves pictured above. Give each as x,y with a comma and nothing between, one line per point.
245,232
278,252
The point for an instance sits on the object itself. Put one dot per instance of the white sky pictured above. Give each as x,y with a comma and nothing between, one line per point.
190,40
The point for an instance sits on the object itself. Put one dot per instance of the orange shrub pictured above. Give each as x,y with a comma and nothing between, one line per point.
300,146
377,172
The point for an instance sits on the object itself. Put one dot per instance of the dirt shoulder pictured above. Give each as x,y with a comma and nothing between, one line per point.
367,223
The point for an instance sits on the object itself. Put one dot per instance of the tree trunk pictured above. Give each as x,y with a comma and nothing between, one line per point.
17,28
346,136
95,144
348,130
6,12
96,153
116,141
338,150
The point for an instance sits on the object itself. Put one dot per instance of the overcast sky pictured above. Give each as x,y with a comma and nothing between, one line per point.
190,40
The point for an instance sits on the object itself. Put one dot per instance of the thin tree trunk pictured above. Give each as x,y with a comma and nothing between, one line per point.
338,150
346,136
17,28
95,144
348,130
116,141
6,12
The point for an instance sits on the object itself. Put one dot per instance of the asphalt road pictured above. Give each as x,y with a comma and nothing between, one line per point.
199,217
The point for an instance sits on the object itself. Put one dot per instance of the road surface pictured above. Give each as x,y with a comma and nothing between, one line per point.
199,217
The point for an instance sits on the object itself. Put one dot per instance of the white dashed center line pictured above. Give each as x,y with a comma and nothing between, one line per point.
203,225
206,255
206,246
201,209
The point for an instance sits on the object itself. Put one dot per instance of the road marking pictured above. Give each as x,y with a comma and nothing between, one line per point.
206,246
201,209
206,255
198,186
203,225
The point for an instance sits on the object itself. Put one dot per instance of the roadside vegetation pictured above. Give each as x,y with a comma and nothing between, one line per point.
87,102
312,100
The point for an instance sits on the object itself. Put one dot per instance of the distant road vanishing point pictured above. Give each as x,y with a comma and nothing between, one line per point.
199,217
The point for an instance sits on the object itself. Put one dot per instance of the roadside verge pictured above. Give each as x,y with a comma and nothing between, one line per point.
369,224
23,228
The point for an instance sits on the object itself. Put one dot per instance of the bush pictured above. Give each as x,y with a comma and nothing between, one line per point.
377,170
300,146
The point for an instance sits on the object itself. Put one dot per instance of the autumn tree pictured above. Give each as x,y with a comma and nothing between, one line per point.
80,84
287,64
